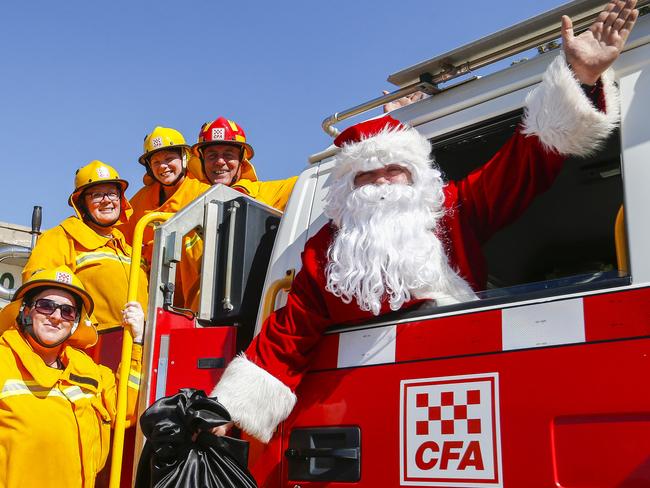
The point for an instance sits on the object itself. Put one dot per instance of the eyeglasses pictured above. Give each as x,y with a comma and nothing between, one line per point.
98,196
48,307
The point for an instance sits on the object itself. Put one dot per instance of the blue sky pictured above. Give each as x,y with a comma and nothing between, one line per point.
87,80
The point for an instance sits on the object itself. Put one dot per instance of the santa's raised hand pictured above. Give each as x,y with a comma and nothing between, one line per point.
596,49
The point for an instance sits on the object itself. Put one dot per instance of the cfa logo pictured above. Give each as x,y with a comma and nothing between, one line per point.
102,172
449,431
218,134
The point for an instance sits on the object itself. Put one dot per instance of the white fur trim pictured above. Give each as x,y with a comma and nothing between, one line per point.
257,401
564,119
390,146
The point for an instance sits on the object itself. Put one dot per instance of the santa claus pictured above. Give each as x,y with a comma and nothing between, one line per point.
398,234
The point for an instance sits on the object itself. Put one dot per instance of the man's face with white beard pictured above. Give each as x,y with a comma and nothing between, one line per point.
385,248
390,174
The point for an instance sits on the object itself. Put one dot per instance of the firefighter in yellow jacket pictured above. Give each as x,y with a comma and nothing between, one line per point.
223,156
56,403
91,243
168,188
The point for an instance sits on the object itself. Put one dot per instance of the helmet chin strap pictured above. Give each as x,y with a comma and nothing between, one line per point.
100,224
178,178
89,216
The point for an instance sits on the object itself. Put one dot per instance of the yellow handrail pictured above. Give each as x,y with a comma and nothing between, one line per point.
274,289
127,345
620,241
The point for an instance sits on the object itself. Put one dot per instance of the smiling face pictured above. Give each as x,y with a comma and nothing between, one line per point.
103,203
222,163
50,328
390,174
166,166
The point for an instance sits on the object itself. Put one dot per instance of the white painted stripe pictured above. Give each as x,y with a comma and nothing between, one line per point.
543,324
498,306
364,347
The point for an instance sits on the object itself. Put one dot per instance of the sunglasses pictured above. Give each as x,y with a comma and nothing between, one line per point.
48,307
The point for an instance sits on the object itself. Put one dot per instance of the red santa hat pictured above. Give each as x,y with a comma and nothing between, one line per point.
379,142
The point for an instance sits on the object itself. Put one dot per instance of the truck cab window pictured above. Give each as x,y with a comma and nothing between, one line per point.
567,235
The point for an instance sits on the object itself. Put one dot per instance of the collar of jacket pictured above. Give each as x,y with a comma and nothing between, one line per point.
88,238
188,190
79,368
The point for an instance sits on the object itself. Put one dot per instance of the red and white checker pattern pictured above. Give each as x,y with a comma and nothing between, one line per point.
450,432
450,412
218,133
63,277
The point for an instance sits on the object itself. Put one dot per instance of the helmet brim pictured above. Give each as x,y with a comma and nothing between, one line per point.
199,146
83,295
144,159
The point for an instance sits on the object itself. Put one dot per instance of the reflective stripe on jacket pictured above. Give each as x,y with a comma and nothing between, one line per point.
55,425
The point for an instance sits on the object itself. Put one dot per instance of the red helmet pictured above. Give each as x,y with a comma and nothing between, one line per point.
222,131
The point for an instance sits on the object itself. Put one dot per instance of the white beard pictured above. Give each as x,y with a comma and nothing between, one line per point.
385,248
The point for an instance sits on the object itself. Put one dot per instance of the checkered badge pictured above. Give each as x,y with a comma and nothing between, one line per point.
218,134
102,172
157,142
449,431
63,277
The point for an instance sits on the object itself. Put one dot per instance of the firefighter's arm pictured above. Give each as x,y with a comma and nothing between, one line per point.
110,381
133,317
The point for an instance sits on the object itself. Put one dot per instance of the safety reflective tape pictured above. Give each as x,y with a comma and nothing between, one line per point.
134,379
233,126
20,387
190,242
74,393
90,257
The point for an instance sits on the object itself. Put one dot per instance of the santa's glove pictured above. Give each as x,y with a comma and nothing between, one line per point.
133,317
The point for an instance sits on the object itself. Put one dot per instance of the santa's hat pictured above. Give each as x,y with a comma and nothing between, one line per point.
379,142
376,143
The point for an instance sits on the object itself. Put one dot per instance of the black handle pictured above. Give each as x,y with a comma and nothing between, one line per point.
37,216
323,452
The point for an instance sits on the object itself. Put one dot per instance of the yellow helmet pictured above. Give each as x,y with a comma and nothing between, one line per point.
164,138
95,173
83,334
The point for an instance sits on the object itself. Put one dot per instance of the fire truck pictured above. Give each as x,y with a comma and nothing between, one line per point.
542,382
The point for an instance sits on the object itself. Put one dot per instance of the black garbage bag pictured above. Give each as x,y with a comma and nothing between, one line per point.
171,458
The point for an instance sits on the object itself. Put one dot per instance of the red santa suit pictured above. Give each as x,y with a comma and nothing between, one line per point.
257,387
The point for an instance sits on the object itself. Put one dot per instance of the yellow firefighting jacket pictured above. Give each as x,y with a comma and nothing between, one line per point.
147,200
55,425
102,264
273,193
